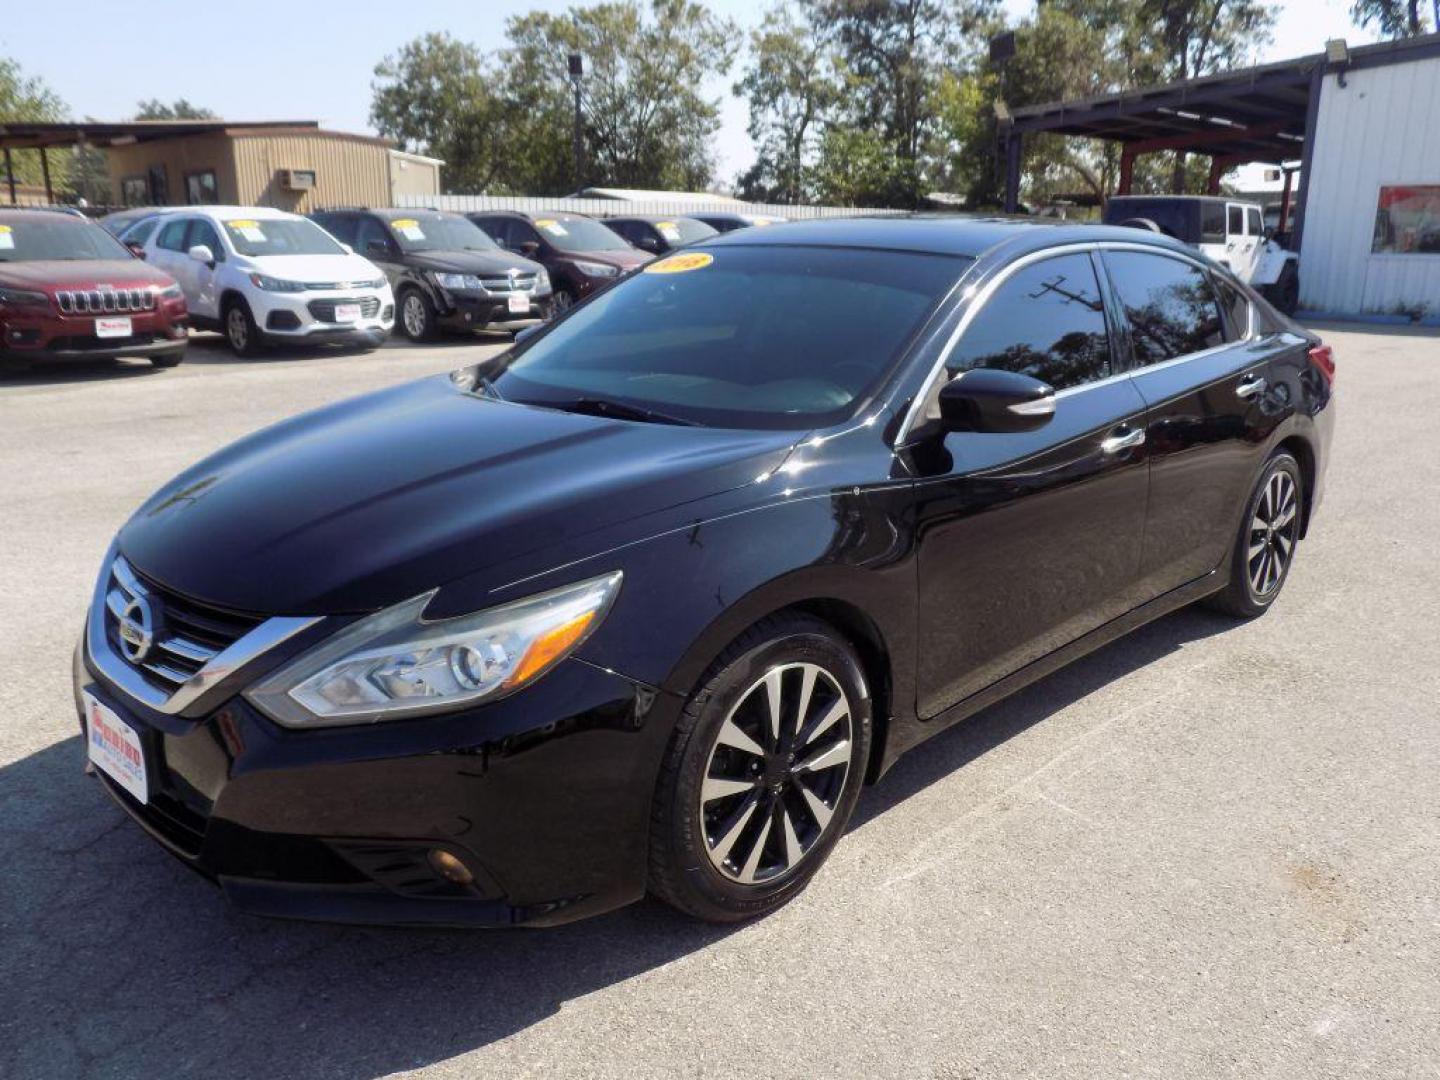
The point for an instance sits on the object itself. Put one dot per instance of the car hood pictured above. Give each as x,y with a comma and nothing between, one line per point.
625,260
315,267
471,262
383,497
82,273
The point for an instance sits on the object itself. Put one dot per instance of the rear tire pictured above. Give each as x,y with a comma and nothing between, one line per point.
241,333
749,802
1265,546
1284,295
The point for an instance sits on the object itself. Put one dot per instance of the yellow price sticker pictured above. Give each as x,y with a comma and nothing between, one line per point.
238,225
4,228
682,263
405,223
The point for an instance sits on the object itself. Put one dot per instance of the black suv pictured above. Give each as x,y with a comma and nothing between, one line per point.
445,271
660,234
581,254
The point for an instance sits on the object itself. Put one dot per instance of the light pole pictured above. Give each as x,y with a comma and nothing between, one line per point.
577,70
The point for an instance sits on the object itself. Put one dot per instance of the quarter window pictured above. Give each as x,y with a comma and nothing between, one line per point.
1170,303
1237,307
1046,320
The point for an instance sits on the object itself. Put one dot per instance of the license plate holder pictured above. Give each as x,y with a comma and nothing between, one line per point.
113,327
114,747
519,303
347,312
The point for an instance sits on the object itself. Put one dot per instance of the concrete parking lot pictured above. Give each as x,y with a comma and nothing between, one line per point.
1211,849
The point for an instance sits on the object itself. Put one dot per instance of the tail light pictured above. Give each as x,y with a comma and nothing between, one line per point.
1323,357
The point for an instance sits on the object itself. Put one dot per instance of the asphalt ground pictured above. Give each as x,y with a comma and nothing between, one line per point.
1211,849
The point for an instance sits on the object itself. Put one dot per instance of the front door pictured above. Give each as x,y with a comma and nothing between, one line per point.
1203,381
1028,541
1242,248
204,279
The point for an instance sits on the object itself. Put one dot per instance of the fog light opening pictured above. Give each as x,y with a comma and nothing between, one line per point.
449,867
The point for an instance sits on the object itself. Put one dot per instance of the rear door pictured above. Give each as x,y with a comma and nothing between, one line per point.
1241,247
1203,379
1028,541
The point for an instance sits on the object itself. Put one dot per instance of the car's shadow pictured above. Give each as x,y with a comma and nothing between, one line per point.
117,960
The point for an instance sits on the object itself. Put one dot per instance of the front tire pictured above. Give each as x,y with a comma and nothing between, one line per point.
1265,547
763,772
417,316
563,302
241,333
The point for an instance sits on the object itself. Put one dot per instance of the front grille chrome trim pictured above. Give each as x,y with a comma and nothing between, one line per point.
115,579
107,301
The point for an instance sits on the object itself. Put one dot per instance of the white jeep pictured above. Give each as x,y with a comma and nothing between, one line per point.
1228,231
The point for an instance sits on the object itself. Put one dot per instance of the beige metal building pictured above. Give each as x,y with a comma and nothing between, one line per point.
290,164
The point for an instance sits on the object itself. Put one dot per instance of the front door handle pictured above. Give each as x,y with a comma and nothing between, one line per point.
1249,386
1124,438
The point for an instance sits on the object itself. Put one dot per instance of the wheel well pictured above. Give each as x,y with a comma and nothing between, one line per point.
865,638
228,297
1300,450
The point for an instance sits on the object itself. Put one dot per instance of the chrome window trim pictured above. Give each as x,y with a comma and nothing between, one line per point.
120,674
928,388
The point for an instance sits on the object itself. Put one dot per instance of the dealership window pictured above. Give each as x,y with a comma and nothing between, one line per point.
201,188
1407,220
134,191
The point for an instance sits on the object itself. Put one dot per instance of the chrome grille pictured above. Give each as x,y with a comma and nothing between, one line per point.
105,301
519,283
167,638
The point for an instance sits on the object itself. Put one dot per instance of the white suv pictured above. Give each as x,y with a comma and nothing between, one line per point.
261,275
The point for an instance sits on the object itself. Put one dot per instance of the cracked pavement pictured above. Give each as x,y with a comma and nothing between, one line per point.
1210,849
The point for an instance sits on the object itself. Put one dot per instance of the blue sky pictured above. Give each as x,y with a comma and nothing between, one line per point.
273,60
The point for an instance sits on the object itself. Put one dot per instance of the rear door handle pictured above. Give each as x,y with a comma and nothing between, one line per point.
1123,438
1249,386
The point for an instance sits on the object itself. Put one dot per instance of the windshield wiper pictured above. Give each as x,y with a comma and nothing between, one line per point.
616,410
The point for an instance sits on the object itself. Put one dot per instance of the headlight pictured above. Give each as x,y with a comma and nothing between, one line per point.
590,269
171,292
542,281
394,664
378,283
270,284
22,299
457,281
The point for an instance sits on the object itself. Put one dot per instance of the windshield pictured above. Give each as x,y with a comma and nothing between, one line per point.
580,234
280,236
440,234
751,337
32,241
685,230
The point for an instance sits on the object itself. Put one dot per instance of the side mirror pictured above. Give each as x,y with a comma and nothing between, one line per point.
650,244
136,249
202,253
378,248
995,401
347,249
529,248
1268,232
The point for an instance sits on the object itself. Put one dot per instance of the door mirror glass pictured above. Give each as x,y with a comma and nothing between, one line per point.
137,249
995,401
202,253
648,243
528,248
379,248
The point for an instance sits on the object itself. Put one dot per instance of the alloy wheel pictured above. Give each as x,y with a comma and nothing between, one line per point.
237,329
563,302
1273,531
776,773
413,312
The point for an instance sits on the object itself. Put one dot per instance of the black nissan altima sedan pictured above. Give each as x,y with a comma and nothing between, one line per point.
642,603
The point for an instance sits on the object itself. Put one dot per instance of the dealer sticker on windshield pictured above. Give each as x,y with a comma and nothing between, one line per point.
250,230
409,228
114,748
681,264
7,238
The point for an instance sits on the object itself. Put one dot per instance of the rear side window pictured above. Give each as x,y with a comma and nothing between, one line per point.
1046,320
1212,223
172,236
1170,303
1237,309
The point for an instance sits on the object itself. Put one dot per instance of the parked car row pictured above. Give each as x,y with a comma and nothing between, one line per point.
342,276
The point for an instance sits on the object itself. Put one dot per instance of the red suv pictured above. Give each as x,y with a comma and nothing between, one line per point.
70,290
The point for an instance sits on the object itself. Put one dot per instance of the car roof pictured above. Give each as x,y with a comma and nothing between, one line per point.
937,234
651,219
1184,198
10,215
254,213
532,215
391,213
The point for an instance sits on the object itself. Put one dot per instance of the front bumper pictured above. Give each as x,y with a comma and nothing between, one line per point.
545,796
474,311
310,316
38,337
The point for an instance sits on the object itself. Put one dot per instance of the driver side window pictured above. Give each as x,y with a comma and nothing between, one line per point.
1047,320
369,229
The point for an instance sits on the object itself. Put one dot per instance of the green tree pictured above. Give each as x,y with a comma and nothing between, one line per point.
646,121
791,86
24,98
155,109
1395,18
436,95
